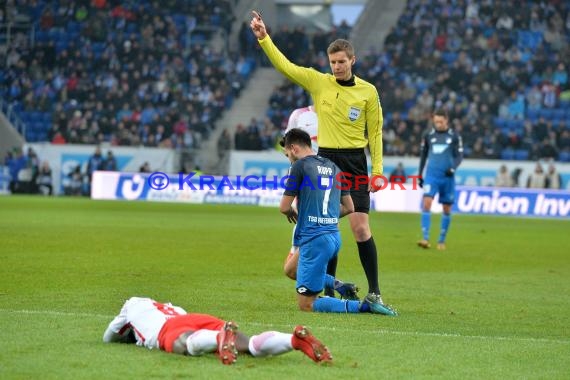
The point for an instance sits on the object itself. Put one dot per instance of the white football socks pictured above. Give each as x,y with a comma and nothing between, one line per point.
270,343
202,341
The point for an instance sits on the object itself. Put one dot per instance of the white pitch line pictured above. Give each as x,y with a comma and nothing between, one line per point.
271,325
56,313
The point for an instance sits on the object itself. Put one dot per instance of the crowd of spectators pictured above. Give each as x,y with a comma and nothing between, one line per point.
538,179
499,67
26,174
120,71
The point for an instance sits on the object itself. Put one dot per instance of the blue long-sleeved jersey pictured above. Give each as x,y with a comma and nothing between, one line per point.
442,151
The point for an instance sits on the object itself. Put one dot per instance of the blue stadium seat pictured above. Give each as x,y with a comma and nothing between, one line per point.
535,80
546,113
500,122
408,104
564,156
97,48
515,124
42,136
198,38
532,113
521,154
74,36
246,70
60,46
215,19
131,27
25,116
508,154
449,57
30,136
42,36
73,27
558,114
35,117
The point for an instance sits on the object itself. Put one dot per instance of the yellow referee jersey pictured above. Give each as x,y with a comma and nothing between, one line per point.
349,116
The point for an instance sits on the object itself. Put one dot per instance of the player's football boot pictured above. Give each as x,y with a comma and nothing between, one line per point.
227,343
304,341
377,306
348,291
424,244
441,246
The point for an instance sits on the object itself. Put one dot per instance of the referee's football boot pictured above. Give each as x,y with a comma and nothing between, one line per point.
377,306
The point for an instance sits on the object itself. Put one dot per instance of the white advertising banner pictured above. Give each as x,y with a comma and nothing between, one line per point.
470,173
183,188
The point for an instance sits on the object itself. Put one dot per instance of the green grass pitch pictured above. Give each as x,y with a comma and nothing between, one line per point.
495,305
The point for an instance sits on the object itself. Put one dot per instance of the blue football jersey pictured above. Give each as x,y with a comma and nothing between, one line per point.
314,180
443,151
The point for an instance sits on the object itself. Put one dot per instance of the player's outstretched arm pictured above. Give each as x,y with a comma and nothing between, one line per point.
257,25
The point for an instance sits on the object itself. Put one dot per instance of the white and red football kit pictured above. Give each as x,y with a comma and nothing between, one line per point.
158,325
305,118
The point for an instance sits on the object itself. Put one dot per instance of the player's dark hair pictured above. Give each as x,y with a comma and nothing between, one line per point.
441,112
341,45
296,136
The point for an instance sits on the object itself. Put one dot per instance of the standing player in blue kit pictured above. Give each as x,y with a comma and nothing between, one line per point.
442,148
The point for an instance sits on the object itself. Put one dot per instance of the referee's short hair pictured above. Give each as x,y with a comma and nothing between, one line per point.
296,136
341,45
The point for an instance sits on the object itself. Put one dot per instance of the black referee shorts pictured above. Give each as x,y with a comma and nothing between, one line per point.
353,163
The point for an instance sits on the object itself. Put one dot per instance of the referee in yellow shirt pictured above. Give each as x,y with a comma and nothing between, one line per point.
350,118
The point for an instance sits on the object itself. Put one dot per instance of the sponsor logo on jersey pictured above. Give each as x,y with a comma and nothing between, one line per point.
439,148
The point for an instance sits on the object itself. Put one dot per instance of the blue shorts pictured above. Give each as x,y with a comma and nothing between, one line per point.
444,186
313,259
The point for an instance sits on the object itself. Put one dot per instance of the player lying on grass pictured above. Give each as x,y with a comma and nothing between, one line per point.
152,324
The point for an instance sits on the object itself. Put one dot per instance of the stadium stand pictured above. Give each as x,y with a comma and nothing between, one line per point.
500,68
125,72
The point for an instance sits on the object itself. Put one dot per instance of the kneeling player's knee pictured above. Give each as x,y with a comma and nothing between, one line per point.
290,272
306,307
306,303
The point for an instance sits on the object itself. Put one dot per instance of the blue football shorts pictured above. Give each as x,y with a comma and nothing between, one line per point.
444,186
314,256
